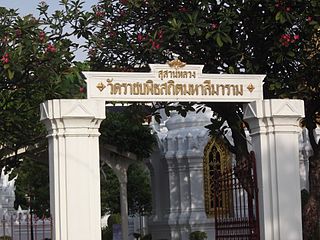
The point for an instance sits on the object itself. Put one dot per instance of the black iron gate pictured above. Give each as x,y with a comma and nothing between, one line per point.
236,202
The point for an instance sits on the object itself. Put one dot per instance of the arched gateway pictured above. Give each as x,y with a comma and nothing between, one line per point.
74,147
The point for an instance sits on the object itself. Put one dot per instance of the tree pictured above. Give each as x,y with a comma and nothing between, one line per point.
125,131
32,188
139,191
35,65
128,34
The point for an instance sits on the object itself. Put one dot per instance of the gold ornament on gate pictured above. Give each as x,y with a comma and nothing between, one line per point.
101,86
251,87
176,63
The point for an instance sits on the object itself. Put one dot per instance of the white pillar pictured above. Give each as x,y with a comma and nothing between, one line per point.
74,167
274,131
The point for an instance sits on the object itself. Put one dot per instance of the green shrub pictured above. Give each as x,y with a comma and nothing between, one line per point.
5,238
114,219
198,235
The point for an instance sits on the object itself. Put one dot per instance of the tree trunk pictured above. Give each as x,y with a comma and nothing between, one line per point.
311,211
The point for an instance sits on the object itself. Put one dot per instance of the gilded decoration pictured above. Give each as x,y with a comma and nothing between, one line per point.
217,160
176,63
101,86
251,87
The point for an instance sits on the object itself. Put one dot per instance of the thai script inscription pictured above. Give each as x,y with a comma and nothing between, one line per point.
172,88
162,74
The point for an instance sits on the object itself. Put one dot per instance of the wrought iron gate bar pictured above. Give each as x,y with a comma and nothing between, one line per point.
236,202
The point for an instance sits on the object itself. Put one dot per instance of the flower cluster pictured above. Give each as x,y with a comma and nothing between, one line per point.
42,36
51,48
99,11
154,42
124,2
287,39
18,33
214,26
5,58
281,5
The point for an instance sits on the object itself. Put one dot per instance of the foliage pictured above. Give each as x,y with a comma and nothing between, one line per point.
139,190
138,187
198,235
110,191
107,232
5,238
114,219
32,187
125,35
35,65
126,132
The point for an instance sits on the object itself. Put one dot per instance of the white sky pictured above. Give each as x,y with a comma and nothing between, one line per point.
30,6
26,7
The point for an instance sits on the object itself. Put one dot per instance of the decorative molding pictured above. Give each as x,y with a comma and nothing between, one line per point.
250,111
287,108
77,110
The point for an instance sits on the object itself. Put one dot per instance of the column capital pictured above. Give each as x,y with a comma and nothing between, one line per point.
72,116
280,115
292,108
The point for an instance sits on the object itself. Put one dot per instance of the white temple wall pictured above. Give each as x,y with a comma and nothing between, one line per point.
182,141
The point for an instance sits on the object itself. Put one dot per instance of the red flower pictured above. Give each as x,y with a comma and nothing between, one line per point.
309,19
51,48
160,34
140,37
124,2
155,45
183,9
42,36
112,34
18,33
5,59
82,89
285,40
214,26
288,9
92,52
122,13
99,13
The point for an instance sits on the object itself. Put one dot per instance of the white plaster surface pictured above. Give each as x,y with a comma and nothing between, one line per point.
74,167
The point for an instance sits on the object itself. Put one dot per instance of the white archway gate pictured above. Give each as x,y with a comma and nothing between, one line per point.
74,143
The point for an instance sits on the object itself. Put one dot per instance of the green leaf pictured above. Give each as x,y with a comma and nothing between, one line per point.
231,69
225,37
290,54
192,31
219,41
10,74
208,35
278,15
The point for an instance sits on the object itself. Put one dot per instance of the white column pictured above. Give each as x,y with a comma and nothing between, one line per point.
74,167
274,131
